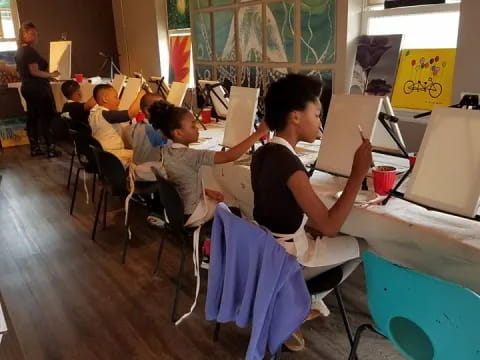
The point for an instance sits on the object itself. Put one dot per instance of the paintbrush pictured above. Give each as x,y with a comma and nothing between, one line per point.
363,139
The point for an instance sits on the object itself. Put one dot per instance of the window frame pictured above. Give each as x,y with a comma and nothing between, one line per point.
16,22
375,11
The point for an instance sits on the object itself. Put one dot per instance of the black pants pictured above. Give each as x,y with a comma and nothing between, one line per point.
40,113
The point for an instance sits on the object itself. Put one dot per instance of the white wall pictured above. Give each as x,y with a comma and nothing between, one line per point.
467,63
140,35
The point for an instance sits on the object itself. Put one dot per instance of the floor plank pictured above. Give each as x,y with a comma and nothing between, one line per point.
71,298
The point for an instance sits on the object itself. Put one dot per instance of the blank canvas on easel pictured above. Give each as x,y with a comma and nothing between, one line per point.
61,59
177,93
130,93
118,82
447,169
241,114
341,137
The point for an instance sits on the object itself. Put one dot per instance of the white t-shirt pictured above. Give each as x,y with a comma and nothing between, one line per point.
106,126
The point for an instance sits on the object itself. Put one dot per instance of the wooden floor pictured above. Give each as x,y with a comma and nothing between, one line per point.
70,298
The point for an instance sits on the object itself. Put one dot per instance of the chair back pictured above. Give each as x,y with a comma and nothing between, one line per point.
171,201
83,144
78,126
111,170
424,317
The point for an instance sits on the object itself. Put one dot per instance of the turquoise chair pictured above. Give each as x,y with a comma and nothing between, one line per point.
424,317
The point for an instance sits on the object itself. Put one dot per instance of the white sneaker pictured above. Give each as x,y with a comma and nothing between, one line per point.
319,305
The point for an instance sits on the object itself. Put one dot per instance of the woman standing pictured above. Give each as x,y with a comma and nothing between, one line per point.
36,90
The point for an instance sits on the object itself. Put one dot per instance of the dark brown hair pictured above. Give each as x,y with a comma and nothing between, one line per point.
166,117
25,27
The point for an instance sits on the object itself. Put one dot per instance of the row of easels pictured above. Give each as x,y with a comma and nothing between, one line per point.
446,173
128,88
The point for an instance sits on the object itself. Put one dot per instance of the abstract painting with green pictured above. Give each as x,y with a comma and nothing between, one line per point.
178,14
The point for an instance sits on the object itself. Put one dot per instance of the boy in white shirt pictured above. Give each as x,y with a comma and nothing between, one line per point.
106,120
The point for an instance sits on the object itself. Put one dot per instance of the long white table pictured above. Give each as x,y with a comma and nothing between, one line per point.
437,244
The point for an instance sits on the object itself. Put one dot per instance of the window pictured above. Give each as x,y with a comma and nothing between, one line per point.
8,25
423,27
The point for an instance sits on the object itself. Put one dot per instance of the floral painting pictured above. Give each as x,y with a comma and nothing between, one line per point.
224,30
376,64
318,22
280,29
180,58
250,33
202,36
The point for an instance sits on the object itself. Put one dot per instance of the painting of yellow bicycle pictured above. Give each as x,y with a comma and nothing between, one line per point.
424,79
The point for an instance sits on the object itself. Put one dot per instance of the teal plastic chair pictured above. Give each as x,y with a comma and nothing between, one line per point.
424,317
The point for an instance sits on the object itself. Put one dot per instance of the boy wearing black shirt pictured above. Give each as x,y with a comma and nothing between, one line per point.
77,110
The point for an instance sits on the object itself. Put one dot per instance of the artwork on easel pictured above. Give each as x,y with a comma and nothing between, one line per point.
241,114
61,59
130,93
376,64
341,137
424,79
445,175
118,83
177,93
218,96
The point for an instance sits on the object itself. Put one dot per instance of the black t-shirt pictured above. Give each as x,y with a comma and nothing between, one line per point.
79,116
25,56
274,204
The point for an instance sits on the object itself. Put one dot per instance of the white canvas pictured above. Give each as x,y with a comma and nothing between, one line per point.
61,59
130,93
381,138
241,115
177,93
218,93
341,137
118,82
447,169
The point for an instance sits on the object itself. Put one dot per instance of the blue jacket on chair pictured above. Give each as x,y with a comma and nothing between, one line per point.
252,279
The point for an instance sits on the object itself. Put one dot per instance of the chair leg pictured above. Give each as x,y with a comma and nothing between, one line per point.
105,210
216,332
93,186
71,169
179,278
75,191
346,323
159,254
97,213
356,341
127,238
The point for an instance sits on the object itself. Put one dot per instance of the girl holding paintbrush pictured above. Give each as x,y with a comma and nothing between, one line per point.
284,198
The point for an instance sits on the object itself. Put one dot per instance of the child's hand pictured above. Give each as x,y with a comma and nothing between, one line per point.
214,195
262,128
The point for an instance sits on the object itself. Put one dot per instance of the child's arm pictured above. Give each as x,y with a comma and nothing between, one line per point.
235,152
329,222
134,109
89,104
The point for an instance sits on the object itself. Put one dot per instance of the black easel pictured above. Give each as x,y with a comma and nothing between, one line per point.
109,59
160,86
470,102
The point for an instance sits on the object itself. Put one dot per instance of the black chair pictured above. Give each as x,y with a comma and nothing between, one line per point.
175,223
83,144
82,129
113,178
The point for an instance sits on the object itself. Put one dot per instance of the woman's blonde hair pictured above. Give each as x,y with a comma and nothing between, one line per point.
24,28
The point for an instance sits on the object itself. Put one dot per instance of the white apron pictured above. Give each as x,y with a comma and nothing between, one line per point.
203,213
321,251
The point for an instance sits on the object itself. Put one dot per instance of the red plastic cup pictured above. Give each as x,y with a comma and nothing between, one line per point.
140,117
383,179
412,159
206,115
79,78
